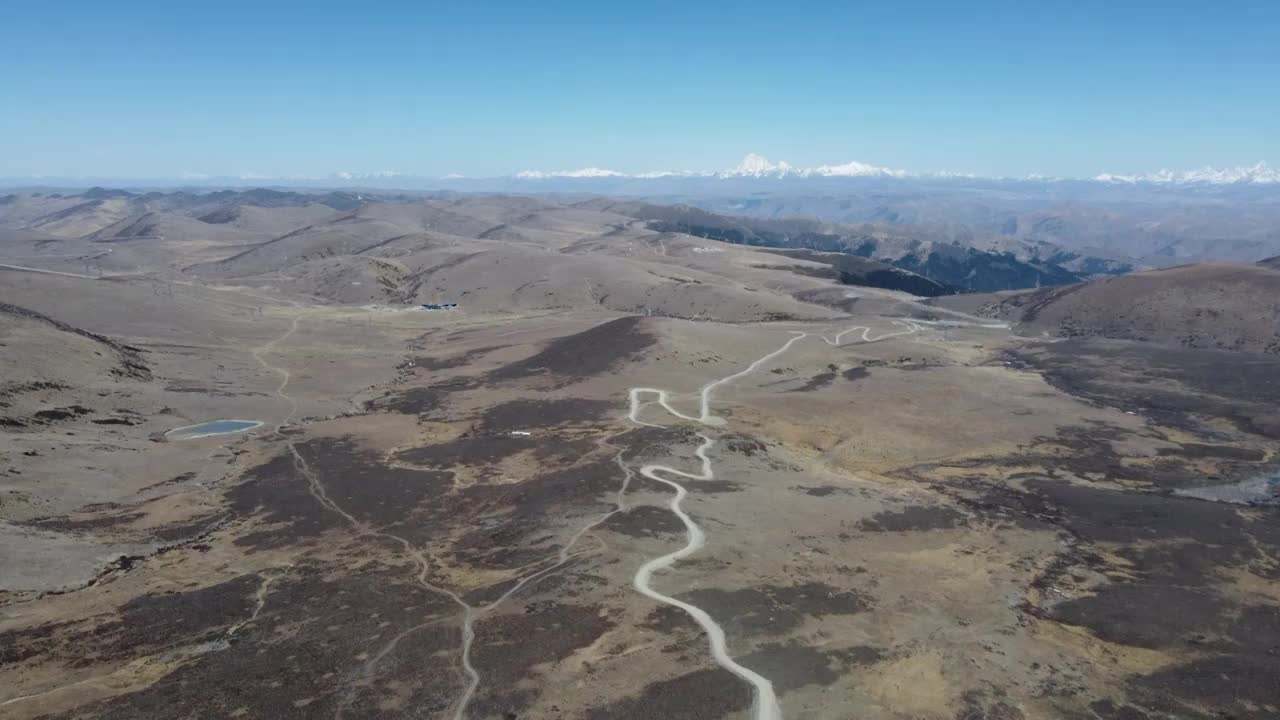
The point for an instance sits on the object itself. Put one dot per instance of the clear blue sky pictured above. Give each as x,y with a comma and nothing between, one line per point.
147,89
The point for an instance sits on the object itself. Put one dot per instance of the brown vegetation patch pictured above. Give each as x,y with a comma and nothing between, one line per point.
311,639
534,414
278,494
584,354
645,521
508,647
1226,452
775,609
699,695
1172,385
144,625
1177,553
977,705
504,519
819,381
914,518
468,450
855,373
449,362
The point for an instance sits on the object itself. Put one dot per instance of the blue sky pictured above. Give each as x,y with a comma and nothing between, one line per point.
141,89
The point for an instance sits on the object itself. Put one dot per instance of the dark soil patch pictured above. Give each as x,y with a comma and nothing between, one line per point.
12,389
700,695
509,646
277,493
509,521
584,354
556,449
469,451
305,674
1092,456
163,619
1177,550
859,655
1109,710
114,421
67,524
744,445
36,641
911,364
1144,615
645,521
142,626
1240,680
533,414
436,362
175,532
1227,452
1172,385
820,490
62,413
976,705
713,486
1238,687
914,518
792,665
817,382
357,481
1103,515
644,441
775,609
414,401
855,373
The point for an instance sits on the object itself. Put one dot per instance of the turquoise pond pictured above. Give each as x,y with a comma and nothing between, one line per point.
213,427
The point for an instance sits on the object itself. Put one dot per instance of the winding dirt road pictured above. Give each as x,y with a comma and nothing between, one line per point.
765,706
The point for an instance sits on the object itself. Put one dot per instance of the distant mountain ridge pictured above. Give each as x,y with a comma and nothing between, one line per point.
758,166
1100,225
1031,248
949,265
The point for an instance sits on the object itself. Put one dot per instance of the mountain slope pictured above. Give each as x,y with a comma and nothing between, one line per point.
1207,306
953,264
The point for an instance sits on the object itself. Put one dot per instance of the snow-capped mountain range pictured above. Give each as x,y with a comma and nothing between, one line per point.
1259,173
758,166
752,168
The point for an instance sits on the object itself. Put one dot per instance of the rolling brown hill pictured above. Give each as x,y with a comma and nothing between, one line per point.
1205,306
496,254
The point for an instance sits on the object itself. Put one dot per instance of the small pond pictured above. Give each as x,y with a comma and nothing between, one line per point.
1261,490
214,427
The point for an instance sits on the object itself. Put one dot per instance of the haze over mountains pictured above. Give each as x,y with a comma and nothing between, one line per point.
752,165
1090,226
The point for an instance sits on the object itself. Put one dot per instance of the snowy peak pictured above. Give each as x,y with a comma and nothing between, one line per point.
1259,173
752,166
591,172
759,166
856,169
